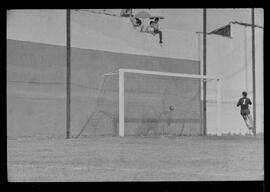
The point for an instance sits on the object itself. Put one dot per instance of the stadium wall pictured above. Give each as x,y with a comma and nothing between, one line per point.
36,65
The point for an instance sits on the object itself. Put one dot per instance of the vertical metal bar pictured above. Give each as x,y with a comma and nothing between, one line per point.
121,103
68,73
253,69
201,83
246,60
204,73
219,107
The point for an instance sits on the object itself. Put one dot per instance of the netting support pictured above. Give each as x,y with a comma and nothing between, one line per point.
68,73
253,69
204,70
122,72
219,107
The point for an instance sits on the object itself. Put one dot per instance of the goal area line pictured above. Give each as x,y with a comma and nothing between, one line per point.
121,73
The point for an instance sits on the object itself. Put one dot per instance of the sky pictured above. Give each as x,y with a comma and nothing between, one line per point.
192,19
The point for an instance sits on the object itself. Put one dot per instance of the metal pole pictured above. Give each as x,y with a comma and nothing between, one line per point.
219,107
121,103
68,74
253,69
204,73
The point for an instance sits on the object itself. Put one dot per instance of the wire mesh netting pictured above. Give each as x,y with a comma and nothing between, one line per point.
154,105
94,93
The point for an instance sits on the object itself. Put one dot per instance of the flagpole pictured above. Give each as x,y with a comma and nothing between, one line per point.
253,70
68,74
204,73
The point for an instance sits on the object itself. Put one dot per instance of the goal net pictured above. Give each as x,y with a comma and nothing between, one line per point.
151,103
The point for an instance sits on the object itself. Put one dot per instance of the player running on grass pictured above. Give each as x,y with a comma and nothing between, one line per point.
244,102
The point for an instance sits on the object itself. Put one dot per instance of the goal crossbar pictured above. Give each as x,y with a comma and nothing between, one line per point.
124,70
121,73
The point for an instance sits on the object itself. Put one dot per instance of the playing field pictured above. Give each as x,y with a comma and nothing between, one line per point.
136,159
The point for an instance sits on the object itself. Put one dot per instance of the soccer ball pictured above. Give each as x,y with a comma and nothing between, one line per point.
171,108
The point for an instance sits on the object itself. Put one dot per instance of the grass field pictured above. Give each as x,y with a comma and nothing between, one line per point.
187,158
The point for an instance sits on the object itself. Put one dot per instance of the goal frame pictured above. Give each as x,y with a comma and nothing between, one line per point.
122,72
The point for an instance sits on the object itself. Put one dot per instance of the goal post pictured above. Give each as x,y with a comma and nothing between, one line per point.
121,102
136,102
123,71
219,102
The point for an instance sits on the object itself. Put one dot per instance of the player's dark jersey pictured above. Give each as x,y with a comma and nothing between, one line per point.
244,102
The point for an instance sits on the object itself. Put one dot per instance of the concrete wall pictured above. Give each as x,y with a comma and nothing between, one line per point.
100,44
99,32
36,102
36,88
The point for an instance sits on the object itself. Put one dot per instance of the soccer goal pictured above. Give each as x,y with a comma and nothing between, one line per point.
174,100
152,103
